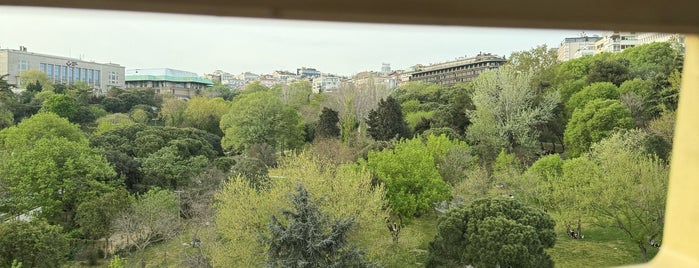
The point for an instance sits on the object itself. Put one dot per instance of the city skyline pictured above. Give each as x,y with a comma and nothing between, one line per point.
203,44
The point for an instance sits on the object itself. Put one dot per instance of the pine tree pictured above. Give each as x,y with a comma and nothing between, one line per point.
327,124
310,239
387,122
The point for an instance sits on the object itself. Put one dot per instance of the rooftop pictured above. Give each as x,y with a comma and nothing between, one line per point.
164,74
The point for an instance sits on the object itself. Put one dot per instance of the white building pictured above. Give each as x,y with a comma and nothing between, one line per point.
647,38
576,47
616,42
325,83
60,70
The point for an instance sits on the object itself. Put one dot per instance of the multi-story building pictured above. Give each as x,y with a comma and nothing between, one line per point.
616,42
247,77
647,38
457,71
284,76
60,70
576,47
325,83
182,84
307,72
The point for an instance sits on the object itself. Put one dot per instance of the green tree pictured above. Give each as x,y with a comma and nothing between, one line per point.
39,78
310,239
205,113
411,177
386,122
260,117
597,120
96,215
55,174
540,60
327,125
243,213
599,90
493,233
507,111
112,121
253,170
615,71
153,217
33,244
43,125
62,105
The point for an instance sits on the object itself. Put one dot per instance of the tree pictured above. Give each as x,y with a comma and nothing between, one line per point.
62,105
630,188
96,215
205,113
55,174
507,111
153,217
386,122
411,177
494,232
39,78
112,121
171,168
597,120
540,60
243,213
599,90
327,125
33,244
611,70
253,170
260,117
43,125
310,239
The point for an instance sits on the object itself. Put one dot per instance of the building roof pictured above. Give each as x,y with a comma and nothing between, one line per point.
164,74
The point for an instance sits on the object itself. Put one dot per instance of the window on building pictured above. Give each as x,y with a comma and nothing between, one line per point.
49,71
22,66
113,78
90,76
83,74
97,77
56,72
64,73
42,67
70,75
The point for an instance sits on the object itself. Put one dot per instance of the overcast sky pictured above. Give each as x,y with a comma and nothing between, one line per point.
203,44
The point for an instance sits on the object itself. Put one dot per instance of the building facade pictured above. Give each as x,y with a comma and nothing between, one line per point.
325,84
616,42
458,71
304,72
647,38
60,70
181,84
576,47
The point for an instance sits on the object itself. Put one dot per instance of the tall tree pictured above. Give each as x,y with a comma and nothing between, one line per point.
411,177
386,122
327,125
260,117
507,111
597,120
33,244
244,213
153,217
613,70
309,239
493,233
205,113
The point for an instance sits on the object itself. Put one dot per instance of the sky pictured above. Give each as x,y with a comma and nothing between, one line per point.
202,44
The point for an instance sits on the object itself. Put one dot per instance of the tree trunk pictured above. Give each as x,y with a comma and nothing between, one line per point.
579,228
644,252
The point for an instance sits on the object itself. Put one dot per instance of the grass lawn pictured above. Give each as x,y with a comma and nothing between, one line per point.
602,247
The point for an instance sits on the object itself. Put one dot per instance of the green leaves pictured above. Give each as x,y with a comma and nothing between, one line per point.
597,120
493,232
411,177
260,117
